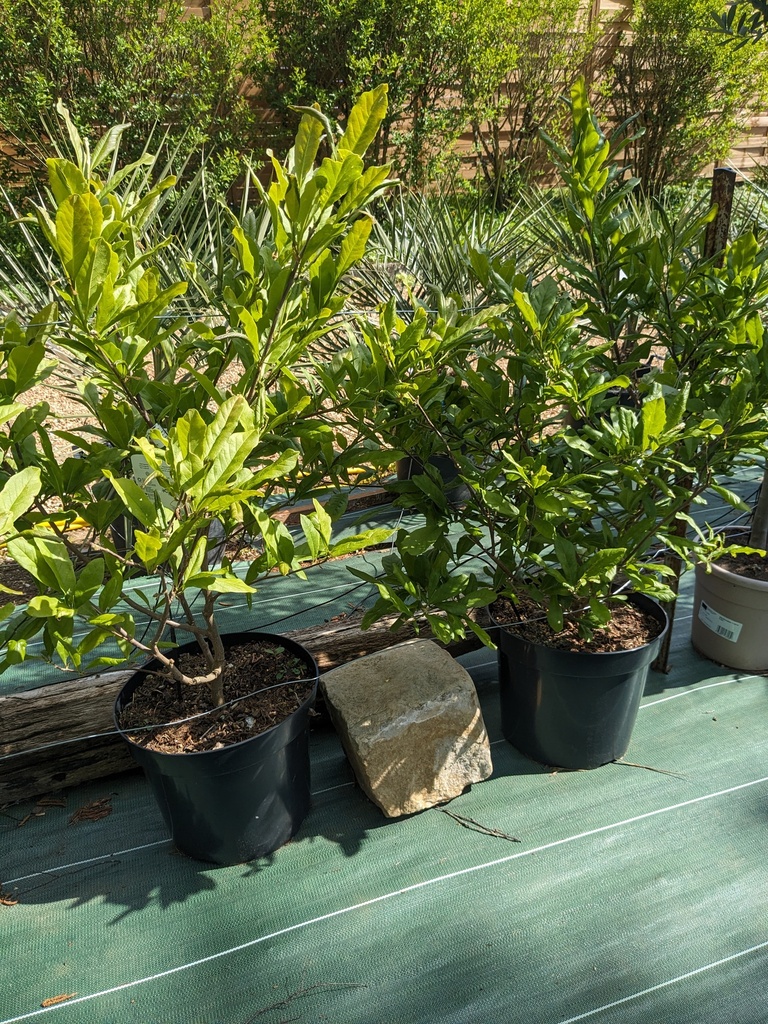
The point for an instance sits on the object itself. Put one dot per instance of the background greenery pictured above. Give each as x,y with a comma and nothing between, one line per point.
227,83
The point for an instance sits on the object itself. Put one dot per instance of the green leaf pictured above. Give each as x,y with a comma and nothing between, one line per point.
566,556
604,563
283,465
111,592
65,179
17,496
353,246
147,547
731,498
599,612
322,521
364,120
73,233
134,498
308,136
107,144
360,541
26,364
45,558
315,543
93,274
548,503
417,542
555,615
10,410
598,389
336,505
219,583
42,606
654,419
89,580
197,557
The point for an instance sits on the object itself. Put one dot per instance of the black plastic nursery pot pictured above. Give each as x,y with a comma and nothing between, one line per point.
454,495
572,709
239,802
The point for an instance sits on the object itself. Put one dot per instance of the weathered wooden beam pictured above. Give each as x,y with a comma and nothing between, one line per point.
61,713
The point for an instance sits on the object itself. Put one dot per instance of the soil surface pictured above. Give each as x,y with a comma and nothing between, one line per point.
629,628
18,580
164,703
752,567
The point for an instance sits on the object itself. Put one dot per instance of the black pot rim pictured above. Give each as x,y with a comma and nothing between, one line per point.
645,602
242,638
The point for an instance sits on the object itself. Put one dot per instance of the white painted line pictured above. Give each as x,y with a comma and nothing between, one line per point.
88,860
330,789
386,896
665,984
695,689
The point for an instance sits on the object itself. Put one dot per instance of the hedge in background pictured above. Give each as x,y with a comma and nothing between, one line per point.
436,57
692,94
146,62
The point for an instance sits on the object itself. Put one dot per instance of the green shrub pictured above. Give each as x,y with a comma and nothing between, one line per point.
433,54
144,62
186,424
548,43
692,94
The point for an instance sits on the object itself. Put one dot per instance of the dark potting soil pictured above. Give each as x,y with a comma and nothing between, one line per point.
630,627
162,702
752,567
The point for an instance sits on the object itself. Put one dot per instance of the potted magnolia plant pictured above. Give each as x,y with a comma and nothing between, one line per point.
194,433
728,372
578,470
555,526
691,315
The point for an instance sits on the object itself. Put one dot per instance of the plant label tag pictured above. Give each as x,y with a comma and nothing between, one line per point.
728,629
142,474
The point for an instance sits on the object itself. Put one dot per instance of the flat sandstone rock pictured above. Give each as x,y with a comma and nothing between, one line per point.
410,724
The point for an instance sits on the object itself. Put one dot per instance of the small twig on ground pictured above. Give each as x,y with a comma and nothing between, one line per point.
649,768
56,876
298,994
475,826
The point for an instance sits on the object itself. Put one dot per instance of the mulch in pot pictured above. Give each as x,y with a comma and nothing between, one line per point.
751,567
163,702
630,627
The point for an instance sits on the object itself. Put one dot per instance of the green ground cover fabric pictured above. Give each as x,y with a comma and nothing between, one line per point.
634,895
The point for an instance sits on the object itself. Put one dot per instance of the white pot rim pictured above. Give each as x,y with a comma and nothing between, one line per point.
733,578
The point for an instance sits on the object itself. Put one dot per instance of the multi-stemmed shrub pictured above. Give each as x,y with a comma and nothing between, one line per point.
577,468
188,432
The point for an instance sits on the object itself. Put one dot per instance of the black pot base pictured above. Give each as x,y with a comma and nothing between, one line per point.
570,709
240,802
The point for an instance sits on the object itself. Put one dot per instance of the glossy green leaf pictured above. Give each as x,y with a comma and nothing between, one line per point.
17,496
364,120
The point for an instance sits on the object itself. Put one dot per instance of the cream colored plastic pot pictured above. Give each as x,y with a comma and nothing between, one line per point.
730,619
